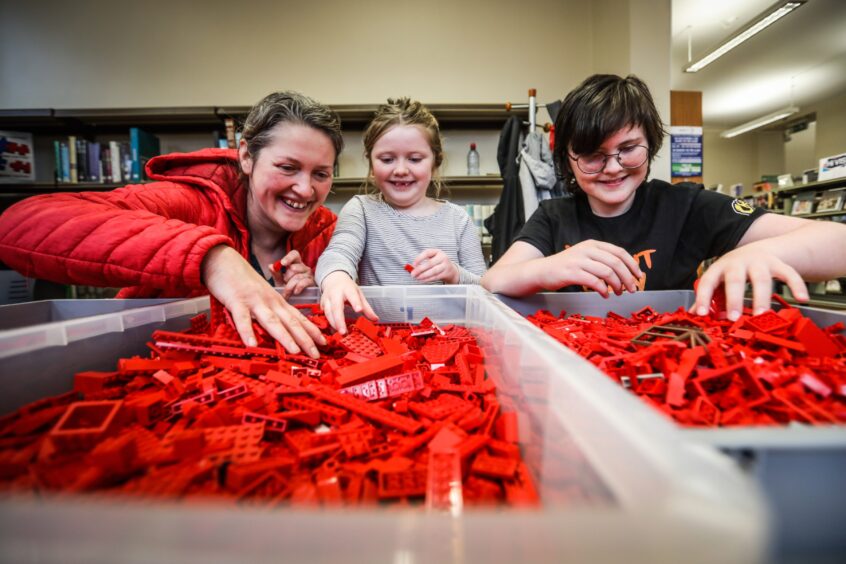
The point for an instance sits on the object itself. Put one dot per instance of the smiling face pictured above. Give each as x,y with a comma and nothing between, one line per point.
611,191
290,178
402,162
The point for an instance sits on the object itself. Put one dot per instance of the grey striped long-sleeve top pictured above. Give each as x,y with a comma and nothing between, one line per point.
373,242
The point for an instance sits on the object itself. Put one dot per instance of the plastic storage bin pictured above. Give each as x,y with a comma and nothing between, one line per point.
642,494
802,469
15,316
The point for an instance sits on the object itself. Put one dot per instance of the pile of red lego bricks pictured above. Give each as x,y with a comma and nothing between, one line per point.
390,413
769,369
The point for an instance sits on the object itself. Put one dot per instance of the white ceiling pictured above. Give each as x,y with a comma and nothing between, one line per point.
806,48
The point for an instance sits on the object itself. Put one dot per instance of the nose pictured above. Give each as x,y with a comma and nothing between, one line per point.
612,164
302,186
401,169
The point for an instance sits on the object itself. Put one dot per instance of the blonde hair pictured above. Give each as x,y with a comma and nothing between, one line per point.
404,111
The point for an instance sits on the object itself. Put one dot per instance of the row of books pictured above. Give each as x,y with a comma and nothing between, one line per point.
79,160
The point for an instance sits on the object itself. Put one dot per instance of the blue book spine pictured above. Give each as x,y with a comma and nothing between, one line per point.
66,175
57,158
135,172
94,162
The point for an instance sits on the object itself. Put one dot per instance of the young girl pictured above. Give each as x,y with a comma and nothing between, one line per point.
378,234
621,231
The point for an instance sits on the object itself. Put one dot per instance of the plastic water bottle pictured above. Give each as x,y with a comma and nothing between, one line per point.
473,161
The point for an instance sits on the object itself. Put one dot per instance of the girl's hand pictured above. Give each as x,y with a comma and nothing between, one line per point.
595,264
338,289
247,296
292,273
432,265
738,266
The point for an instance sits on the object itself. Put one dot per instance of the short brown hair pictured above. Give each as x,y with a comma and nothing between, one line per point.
600,106
289,107
404,111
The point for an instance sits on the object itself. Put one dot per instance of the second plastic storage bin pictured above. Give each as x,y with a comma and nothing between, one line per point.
801,468
613,487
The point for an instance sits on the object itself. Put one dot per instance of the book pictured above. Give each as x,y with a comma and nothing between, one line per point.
117,164
63,148
144,146
57,160
82,160
831,200
94,174
230,132
803,204
17,161
74,171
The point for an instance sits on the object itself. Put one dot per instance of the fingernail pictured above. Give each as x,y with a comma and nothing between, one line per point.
313,352
251,342
733,315
702,310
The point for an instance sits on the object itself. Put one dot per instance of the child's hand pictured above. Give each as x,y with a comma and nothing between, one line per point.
432,265
247,296
292,273
598,265
338,289
738,266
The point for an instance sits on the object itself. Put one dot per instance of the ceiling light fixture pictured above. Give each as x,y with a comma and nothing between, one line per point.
762,21
759,122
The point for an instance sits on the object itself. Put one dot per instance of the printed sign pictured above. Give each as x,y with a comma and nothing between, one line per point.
686,151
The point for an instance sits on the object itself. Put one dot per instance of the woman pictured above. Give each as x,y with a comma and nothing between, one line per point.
213,220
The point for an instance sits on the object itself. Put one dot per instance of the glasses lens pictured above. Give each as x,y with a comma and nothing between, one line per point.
633,157
591,163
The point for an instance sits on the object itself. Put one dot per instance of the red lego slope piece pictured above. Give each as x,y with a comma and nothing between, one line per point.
817,342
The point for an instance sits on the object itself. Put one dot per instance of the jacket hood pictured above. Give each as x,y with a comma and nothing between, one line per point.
214,170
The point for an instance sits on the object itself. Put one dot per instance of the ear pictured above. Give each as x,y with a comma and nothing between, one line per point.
244,158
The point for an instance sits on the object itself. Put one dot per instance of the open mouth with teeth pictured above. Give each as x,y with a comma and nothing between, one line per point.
402,184
293,204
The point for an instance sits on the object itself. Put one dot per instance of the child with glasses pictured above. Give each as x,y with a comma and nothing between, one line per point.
621,231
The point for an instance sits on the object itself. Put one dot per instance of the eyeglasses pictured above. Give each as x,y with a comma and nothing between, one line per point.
630,157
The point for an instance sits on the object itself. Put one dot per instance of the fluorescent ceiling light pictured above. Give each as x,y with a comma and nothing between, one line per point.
759,122
762,21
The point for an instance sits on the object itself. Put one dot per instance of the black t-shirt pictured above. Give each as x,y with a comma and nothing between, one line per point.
669,230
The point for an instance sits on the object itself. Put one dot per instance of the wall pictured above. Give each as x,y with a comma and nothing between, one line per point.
728,161
831,127
799,151
173,53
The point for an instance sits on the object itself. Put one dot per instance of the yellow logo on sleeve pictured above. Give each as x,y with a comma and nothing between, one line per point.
741,207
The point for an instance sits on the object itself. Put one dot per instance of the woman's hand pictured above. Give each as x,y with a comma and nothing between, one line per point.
338,289
595,264
247,296
292,274
432,265
738,266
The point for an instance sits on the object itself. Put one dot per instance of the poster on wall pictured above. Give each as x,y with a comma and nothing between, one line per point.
686,150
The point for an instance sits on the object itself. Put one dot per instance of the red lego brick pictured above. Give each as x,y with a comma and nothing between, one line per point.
368,411
86,423
375,368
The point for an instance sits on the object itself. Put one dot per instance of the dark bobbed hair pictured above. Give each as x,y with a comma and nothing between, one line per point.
599,107
289,107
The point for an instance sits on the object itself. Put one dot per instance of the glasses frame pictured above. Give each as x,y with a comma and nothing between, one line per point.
607,156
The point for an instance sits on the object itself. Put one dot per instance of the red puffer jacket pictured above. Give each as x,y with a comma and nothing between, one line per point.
150,238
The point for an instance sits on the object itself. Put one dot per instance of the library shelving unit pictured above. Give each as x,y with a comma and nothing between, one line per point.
812,191
47,124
